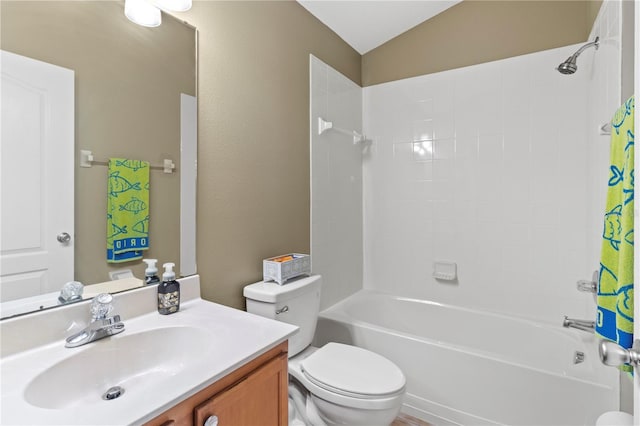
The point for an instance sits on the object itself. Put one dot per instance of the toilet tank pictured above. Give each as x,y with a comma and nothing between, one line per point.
297,302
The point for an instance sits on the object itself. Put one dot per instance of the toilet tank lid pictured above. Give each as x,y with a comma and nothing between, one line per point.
271,292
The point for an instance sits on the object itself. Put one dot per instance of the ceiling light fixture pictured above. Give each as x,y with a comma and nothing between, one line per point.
148,12
142,13
173,5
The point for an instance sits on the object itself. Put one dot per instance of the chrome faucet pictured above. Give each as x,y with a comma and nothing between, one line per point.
102,325
584,325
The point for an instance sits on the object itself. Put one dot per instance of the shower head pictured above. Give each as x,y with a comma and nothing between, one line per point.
569,66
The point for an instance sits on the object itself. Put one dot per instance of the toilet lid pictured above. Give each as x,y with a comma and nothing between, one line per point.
353,371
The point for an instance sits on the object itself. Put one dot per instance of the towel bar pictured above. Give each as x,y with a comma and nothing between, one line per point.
87,160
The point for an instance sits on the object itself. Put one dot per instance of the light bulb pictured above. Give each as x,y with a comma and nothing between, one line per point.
173,5
142,13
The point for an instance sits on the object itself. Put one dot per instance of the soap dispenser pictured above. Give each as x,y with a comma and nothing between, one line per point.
168,291
151,273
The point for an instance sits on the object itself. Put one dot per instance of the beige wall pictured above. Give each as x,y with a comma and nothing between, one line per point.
128,81
593,7
253,100
253,135
474,32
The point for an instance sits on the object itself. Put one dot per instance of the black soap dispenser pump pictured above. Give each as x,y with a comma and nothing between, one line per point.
168,291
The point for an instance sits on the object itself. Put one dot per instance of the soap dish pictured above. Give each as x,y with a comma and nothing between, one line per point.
446,271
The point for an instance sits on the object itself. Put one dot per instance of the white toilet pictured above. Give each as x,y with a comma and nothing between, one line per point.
615,418
345,384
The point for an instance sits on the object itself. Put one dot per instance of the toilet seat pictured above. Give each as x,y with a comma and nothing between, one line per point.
324,392
353,372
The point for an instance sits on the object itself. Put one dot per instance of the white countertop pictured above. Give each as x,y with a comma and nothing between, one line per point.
233,338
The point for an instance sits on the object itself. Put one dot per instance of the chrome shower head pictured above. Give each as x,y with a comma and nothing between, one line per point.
569,66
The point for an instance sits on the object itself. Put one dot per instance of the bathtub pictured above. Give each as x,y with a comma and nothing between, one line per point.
469,367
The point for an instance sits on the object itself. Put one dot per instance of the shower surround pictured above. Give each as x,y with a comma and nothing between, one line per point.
498,167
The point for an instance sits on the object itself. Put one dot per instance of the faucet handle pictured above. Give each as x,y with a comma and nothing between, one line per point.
587,286
70,292
101,306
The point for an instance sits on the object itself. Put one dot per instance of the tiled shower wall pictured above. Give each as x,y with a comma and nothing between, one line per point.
336,184
487,167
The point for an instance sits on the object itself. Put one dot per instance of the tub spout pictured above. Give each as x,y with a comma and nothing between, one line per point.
584,325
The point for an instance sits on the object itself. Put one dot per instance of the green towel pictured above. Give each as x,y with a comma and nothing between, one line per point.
127,210
615,286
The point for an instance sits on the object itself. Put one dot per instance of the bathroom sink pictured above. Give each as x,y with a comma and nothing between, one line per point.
134,362
158,360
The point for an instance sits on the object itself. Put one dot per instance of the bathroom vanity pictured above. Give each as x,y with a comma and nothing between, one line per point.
205,363
255,393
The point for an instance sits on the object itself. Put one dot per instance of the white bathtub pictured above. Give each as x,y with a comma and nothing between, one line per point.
470,367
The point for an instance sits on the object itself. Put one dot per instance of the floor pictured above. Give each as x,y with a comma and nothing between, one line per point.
407,420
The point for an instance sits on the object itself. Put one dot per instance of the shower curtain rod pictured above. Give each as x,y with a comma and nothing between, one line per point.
324,125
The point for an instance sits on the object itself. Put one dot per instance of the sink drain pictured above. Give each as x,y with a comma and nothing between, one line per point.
113,393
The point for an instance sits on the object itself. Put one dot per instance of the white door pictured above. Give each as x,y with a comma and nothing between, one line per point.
36,176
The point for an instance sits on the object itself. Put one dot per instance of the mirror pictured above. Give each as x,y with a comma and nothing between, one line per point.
128,82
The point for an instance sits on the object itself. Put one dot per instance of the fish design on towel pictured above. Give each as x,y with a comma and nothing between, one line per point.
616,176
142,226
134,165
608,282
612,226
134,206
117,230
624,306
630,141
119,185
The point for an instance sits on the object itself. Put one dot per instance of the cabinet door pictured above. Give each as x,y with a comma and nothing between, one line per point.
259,399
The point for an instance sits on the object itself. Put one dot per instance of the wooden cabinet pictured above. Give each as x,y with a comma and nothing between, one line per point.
253,395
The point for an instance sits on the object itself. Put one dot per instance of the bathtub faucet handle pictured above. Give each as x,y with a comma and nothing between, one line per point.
589,286
614,355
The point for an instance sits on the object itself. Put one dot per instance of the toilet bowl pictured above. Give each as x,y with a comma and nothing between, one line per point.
342,384
615,418
350,385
